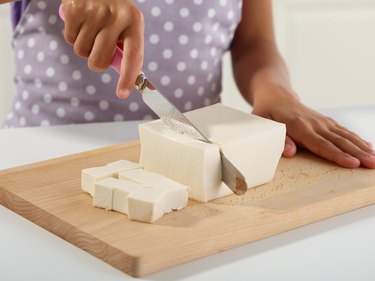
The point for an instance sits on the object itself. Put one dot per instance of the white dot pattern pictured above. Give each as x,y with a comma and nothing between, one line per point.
103,105
40,56
184,43
77,75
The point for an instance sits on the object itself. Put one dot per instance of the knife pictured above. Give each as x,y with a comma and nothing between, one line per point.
178,122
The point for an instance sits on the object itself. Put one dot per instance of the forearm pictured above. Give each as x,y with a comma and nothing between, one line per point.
258,66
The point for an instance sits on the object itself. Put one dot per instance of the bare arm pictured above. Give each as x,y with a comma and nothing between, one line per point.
263,80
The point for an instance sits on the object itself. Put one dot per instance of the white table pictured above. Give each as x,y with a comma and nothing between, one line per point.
340,248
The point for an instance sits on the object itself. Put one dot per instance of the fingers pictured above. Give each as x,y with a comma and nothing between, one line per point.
95,27
354,138
328,150
342,150
290,148
85,39
73,22
132,60
103,50
354,146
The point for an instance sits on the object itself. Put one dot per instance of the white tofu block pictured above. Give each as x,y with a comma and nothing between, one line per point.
90,176
121,191
123,165
103,193
151,203
253,144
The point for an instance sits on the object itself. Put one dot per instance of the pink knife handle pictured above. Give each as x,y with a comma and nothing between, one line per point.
116,61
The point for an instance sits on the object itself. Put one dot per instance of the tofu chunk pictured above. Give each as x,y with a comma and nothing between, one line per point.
92,175
161,195
252,143
111,194
150,203
123,165
121,191
103,193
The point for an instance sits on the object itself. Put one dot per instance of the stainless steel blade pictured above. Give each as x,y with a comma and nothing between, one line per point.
178,122
166,110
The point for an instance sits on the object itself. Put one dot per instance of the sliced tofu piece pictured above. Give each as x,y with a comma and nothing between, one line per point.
148,204
253,144
123,165
121,191
91,175
111,194
103,193
151,179
161,196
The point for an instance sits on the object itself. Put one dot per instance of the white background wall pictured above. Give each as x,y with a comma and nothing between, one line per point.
329,47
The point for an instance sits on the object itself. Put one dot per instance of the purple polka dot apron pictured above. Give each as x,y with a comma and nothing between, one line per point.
184,44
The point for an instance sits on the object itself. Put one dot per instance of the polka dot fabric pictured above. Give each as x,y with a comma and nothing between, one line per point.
184,44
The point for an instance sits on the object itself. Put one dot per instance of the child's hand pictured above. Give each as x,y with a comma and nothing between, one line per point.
312,130
94,27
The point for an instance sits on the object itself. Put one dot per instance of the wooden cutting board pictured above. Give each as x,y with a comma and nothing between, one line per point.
305,190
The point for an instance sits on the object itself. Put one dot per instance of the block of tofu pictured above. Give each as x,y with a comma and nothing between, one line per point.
148,204
112,193
92,175
253,144
123,165
103,193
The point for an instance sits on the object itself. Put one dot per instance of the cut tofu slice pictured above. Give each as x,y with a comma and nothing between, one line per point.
121,191
111,194
253,144
151,179
161,195
103,193
92,175
151,203
123,165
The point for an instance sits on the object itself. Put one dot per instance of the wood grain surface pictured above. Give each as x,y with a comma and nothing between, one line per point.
305,190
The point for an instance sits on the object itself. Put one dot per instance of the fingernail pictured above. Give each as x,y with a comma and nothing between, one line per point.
353,159
123,93
288,146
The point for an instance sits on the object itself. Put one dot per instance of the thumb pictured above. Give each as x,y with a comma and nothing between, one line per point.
290,148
